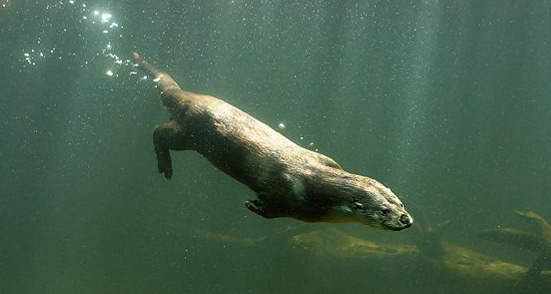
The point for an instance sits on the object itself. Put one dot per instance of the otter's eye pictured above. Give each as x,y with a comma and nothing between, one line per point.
358,205
385,212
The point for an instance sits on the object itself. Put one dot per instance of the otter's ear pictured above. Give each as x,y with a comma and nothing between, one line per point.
358,205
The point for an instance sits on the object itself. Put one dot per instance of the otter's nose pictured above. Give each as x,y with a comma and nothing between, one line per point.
405,220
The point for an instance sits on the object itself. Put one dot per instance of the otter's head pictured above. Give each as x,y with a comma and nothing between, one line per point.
373,204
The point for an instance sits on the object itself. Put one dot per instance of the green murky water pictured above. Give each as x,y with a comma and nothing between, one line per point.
446,102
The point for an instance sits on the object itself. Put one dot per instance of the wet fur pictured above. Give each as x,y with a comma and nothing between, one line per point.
290,181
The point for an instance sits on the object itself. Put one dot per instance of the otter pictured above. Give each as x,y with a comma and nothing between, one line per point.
289,181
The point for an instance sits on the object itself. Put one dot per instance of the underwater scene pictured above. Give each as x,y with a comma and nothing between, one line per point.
442,106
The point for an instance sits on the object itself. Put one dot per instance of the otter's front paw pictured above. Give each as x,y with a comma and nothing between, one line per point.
255,206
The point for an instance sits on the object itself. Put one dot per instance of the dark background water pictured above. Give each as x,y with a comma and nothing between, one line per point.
446,102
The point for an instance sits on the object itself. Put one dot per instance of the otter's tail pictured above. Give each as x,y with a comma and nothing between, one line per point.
163,80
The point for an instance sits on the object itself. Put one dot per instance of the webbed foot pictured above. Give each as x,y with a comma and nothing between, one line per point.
164,163
164,137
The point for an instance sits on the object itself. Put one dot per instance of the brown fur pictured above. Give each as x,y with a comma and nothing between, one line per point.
289,181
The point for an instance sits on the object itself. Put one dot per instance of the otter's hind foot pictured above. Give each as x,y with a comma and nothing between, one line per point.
164,138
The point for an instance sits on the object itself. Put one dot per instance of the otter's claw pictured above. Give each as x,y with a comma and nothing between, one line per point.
255,206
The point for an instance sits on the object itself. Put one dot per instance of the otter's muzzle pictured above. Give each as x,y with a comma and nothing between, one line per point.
406,220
